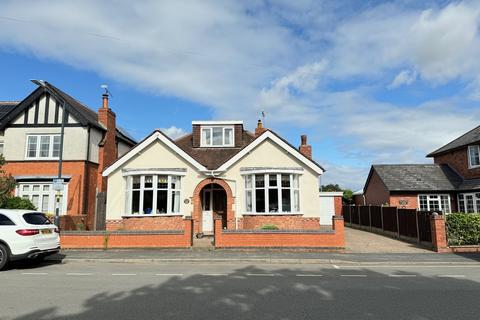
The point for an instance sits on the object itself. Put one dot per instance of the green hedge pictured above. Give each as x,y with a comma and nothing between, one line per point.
19,203
463,228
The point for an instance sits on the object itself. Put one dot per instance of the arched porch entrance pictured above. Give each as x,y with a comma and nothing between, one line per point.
212,197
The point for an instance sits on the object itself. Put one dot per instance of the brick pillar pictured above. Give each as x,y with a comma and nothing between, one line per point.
439,235
339,227
337,202
188,231
218,231
108,147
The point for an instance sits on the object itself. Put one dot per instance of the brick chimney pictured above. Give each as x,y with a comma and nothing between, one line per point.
107,153
259,129
304,148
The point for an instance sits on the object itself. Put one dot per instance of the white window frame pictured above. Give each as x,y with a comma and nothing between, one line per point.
203,143
439,197
476,201
266,188
2,147
38,146
170,191
51,193
470,149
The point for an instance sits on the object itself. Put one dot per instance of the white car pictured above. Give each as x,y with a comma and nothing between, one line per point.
26,234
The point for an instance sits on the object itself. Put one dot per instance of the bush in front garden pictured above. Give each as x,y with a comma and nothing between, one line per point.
18,203
269,227
463,228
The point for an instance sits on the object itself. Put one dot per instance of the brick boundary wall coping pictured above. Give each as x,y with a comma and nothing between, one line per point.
278,231
120,232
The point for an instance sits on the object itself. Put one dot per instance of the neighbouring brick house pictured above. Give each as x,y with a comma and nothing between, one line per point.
451,184
30,142
248,179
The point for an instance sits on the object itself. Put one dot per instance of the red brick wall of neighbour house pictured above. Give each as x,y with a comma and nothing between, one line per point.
238,128
196,135
283,222
75,169
406,201
238,239
107,153
358,200
147,223
458,160
376,192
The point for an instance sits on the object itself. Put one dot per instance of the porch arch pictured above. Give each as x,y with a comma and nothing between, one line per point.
197,203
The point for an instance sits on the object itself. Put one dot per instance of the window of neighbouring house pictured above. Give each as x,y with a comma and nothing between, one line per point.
43,146
473,156
42,196
469,202
272,193
153,194
434,202
1,147
217,136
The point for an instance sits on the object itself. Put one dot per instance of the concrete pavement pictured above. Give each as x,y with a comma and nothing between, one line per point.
102,290
261,256
359,241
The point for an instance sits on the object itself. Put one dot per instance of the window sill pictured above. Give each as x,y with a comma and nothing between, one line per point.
152,215
272,214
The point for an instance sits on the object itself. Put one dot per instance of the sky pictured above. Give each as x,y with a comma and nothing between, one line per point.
369,82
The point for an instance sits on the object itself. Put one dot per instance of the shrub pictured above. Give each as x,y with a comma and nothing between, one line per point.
463,228
269,227
19,203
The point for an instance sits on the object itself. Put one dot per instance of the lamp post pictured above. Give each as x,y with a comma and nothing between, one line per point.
58,183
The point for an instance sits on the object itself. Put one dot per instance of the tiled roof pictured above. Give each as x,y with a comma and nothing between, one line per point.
472,136
212,158
81,112
6,107
418,177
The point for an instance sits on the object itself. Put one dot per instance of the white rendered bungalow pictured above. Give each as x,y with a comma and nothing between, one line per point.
249,179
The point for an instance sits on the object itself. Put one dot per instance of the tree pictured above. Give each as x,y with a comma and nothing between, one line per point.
7,184
347,196
331,188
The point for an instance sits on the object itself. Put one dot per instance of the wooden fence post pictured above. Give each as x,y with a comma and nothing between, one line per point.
418,229
398,224
359,216
381,217
370,215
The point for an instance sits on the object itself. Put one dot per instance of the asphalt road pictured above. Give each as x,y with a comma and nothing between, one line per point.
106,290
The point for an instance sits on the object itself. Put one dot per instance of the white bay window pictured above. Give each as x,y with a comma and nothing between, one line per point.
473,156
469,202
153,194
272,193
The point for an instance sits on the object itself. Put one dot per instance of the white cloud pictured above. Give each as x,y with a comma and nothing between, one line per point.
173,132
405,77
285,58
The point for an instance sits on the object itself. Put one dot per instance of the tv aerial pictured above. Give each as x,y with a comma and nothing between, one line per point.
105,87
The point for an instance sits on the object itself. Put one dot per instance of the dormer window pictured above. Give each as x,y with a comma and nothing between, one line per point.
473,156
217,136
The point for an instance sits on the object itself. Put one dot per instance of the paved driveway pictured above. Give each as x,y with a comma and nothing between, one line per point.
359,241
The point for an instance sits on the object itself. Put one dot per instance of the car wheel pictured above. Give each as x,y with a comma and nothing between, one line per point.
4,256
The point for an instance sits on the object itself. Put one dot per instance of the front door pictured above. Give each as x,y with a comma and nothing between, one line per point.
207,215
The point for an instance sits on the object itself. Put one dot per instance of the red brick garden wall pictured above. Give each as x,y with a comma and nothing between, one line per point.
283,222
147,223
334,239
140,239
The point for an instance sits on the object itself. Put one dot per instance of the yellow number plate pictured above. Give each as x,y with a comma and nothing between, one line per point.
46,231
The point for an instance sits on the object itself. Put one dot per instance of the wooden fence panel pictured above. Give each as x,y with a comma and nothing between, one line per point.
365,216
376,215
407,222
390,219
